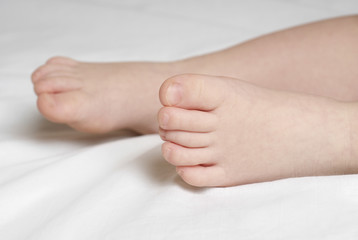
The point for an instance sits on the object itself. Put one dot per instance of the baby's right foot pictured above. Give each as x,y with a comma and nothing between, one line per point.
101,97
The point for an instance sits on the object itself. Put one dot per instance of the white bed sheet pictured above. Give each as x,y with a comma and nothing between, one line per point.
56,183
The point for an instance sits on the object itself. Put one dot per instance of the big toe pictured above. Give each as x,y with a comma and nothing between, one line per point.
193,91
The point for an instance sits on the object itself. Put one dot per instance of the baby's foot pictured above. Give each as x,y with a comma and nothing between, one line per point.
223,132
101,97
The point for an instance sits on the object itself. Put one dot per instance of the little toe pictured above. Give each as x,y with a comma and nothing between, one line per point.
57,85
47,69
202,176
188,139
172,118
61,60
183,156
61,107
191,91
60,73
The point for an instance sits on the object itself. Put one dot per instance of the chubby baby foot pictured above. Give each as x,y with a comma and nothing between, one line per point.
101,97
222,132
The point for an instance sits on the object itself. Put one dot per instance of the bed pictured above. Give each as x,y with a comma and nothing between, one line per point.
56,183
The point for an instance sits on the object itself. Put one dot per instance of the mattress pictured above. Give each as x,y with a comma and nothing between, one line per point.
56,183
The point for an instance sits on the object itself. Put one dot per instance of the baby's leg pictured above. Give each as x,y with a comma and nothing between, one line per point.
318,58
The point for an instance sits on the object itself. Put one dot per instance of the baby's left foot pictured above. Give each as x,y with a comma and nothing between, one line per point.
224,132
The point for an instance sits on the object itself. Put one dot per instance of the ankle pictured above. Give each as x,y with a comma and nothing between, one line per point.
197,65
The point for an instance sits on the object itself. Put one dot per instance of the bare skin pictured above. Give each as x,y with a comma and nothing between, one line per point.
103,97
318,58
288,119
221,131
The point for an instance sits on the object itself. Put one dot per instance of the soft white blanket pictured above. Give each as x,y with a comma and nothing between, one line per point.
56,183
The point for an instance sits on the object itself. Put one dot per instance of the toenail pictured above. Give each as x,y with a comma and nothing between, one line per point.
174,94
164,120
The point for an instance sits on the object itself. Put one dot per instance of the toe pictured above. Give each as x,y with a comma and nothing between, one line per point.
182,156
193,91
61,60
188,139
62,107
202,176
172,118
47,69
57,85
